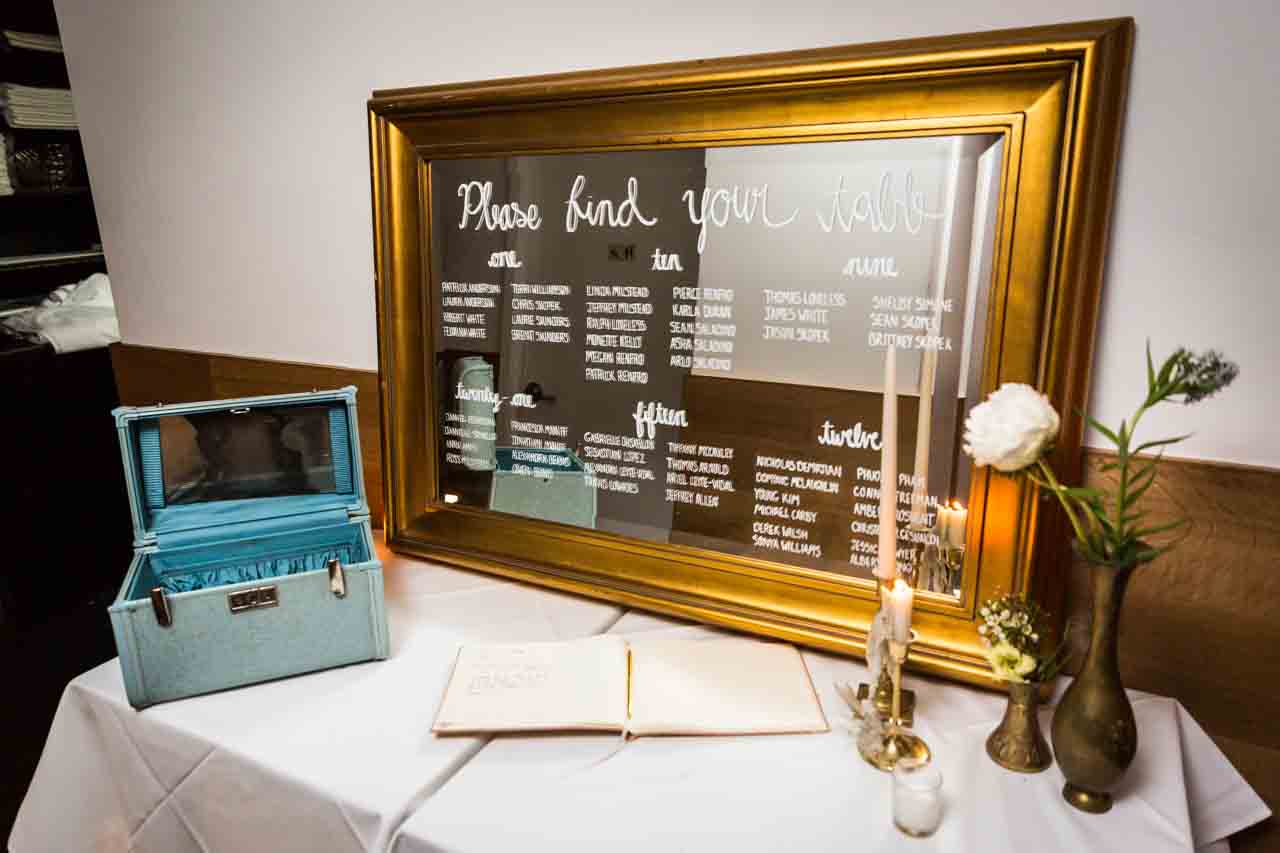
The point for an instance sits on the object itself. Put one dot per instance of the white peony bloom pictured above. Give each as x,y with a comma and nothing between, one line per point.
1011,429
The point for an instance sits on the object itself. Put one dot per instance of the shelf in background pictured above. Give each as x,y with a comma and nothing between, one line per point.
60,192
18,262
40,131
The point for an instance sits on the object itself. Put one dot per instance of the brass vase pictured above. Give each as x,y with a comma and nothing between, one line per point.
1094,734
1017,743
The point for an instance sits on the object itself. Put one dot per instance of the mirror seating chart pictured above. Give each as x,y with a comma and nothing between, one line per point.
687,346
638,327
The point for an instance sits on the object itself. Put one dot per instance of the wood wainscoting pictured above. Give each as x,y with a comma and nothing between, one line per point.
1201,624
149,375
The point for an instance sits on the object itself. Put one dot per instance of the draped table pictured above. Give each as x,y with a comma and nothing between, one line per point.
344,760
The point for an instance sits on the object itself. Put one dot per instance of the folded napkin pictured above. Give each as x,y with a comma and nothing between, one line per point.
33,41
74,317
35,107
6,185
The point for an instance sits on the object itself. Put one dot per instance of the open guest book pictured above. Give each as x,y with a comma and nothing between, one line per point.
653,686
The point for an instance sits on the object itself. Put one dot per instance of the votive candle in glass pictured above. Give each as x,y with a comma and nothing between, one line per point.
917,799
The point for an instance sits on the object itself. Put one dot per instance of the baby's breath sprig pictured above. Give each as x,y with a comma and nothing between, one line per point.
1015,632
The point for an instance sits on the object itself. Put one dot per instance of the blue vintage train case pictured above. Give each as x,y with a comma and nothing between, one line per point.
253,553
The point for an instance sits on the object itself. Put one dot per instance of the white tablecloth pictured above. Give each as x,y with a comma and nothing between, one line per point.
345,760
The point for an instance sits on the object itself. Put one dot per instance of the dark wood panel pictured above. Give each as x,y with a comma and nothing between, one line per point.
147,375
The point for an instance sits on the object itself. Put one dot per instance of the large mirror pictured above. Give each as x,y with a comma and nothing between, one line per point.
688,346
637,326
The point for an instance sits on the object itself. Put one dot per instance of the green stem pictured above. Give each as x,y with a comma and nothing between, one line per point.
1122,447
1062,499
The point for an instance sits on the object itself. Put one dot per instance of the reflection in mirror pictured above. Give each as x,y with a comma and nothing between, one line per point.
687,346
245,453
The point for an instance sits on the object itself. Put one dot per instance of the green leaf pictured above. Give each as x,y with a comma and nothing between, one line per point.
1144,468
1098,425
1082,492
1148,554
1151,370
1140,489
1130,517
1161,442
1166,370
1122,444
1143,473
1147,532
1146,476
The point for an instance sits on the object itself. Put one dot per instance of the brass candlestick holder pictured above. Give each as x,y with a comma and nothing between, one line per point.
896,744
953,557
881,693
881,696
935,563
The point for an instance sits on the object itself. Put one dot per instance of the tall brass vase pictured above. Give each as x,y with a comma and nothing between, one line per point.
1094,734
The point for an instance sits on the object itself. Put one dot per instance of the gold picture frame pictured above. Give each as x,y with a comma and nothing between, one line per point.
1055,93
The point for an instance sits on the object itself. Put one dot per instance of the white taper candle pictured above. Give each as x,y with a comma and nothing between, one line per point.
901,601
887,566
920,488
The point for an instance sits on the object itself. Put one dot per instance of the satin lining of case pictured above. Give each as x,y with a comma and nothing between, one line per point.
259,558
259,570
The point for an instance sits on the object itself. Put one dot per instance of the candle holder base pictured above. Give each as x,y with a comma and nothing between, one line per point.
897,745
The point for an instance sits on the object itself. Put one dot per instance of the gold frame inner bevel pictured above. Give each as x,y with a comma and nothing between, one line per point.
1056,94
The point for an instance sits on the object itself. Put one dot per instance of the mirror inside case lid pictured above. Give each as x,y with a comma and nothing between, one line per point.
197,467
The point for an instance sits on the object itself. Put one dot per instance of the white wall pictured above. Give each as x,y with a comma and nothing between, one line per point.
228,151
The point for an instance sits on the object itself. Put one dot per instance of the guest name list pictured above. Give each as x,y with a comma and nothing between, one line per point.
602,350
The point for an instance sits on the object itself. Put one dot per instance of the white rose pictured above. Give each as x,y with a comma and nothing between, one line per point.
1011,429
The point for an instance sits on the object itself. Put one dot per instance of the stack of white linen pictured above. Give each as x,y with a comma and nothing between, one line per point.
33,41
34,107
6,185
74,317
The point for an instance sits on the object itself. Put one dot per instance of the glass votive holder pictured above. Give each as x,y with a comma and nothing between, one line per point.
917,799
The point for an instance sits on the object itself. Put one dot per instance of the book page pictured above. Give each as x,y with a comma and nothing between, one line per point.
720,686
537,687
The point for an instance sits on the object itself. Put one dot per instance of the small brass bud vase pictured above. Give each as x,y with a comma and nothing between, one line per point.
1018,744
1023,655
